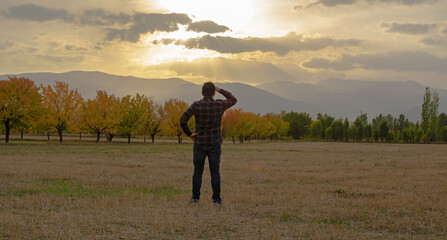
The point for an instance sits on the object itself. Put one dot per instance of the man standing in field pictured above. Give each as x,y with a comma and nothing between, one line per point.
207,138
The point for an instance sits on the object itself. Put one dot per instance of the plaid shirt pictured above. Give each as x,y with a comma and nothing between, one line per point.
208,115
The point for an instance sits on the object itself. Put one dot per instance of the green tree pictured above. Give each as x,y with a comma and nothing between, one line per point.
429,114
443,134
326,122
19,102
359,133
442,120
408,135
383,130
299,124
337,130
316,129
347,134
368,132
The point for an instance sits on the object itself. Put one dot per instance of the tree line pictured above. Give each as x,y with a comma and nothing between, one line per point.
25,107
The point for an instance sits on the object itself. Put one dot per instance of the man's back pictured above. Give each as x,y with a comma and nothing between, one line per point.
208,116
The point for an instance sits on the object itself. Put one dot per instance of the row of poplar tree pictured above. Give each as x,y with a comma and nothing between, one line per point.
25,107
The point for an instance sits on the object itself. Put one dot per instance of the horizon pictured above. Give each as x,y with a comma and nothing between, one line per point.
260,42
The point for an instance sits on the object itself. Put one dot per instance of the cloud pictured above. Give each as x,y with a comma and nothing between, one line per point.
326,3
405,2
122,26
334,3
165,41
445,30
59,59
280,45
430,41
148,23
99,17
74,48
5,45
31,12
207,26
408,28
229,69
395,61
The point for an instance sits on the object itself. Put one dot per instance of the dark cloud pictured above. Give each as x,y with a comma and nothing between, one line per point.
327,3
120,26
99,17
31,12
408,28
31,50
333,3
207,26
149,23
165,41
405,2
74,48
396,61
430,41
5,45
280,45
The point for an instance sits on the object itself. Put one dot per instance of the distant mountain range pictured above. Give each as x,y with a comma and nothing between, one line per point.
337,97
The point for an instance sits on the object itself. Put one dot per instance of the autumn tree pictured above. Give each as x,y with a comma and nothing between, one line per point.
62,104
19,102
280,126
153,121
97,115
247,125
134,110
229,122
173,109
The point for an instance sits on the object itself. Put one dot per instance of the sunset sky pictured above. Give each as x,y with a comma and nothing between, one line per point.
249,41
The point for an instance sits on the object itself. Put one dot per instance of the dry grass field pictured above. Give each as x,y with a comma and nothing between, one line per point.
288,190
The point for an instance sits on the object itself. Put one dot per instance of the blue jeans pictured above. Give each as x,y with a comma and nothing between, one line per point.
200,153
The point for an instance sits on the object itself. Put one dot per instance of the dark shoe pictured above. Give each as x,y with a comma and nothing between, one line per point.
217,202
194,201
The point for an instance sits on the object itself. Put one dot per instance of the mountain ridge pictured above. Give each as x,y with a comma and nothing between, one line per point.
337,97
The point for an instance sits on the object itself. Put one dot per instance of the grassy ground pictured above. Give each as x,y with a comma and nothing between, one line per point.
286,190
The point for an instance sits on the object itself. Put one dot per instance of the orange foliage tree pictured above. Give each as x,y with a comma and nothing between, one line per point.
173,109
97,115
62,103
19,102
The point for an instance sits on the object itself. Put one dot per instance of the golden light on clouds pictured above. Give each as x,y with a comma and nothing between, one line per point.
236,14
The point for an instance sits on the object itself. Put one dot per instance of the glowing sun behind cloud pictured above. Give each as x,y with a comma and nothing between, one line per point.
236,14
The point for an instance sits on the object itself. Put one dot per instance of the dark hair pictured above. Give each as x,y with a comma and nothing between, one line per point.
208,89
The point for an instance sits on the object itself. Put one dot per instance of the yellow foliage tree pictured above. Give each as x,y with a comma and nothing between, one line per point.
173,109
19,102
152,123
62,103
97,115
135,109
